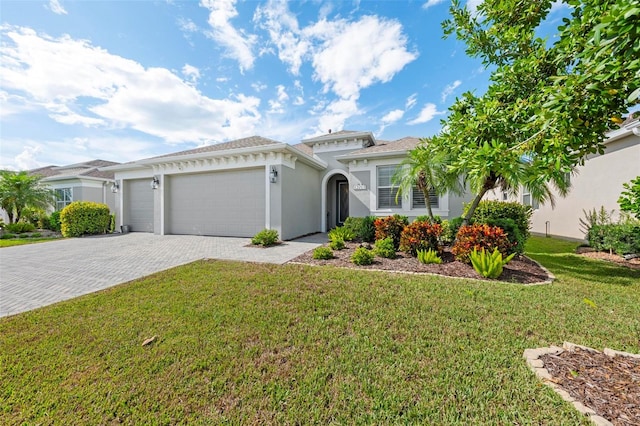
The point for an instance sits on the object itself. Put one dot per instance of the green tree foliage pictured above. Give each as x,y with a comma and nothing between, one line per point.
426,169
629,200
20,190
548,104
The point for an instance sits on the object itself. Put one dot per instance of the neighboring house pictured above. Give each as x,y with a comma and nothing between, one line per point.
238,188
79,182
597,183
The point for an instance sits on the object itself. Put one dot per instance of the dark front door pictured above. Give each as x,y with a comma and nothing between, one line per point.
343,202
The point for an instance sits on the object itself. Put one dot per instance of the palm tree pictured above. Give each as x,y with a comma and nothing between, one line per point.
427,170
19,190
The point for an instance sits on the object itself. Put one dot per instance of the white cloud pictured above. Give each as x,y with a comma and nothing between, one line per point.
59,75
411,101
345,64
27,158
448,90
335,114
191,73
187,25
222,79
258,86
299,100
282,94
472,6
393,116
427,114
430,3
238,44
56,7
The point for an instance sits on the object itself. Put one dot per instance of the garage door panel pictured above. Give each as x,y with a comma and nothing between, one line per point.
224,203
139,204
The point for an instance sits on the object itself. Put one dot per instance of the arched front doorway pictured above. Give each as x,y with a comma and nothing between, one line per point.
335,199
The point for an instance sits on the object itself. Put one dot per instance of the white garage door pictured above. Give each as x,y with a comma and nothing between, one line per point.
138,202
229,204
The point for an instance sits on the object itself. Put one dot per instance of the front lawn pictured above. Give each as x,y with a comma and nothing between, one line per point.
259,343
22,241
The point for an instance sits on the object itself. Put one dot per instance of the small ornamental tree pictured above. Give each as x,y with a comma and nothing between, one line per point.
629,200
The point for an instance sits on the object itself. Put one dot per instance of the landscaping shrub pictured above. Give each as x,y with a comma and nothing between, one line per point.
54,221
622,238
384,248
112,223
20,227
362,227
428,256
420,236
8,236
425,218
629,200
594,217
322,253
492,210
341,233
337,244
36,235
514,235
478,237
362,256
390,226
489,265
454,226
265,238
84,218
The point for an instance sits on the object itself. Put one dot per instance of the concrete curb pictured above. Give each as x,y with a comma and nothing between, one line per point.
534,362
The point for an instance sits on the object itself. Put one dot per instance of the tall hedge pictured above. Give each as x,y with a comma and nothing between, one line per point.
84,218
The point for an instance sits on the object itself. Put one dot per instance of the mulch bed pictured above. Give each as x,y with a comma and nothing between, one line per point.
609,386
609,257
520,270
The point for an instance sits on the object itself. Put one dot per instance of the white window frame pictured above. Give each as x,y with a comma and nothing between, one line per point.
62,200
393,188
527,200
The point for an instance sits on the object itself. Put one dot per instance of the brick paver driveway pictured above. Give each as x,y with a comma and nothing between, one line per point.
36,275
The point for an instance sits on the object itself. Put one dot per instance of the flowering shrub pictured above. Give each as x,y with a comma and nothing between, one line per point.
478,237
390,226
420,236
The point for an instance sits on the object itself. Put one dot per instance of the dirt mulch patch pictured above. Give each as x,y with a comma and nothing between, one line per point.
609,257
520,270
609,386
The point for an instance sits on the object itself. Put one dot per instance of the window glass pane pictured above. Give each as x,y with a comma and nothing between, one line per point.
526,199
387,198
418,199
385,173
64,197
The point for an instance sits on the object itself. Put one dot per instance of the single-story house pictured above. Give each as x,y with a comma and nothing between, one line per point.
595,184
78,182
240,187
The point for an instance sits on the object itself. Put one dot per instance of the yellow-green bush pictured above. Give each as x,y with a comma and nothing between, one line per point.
84,218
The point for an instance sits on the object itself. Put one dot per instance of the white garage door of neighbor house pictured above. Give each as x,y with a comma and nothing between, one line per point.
226,204
139,204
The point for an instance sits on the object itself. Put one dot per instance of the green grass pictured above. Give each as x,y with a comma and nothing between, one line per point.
265,344
22,241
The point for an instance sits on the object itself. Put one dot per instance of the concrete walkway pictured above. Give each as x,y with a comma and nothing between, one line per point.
37,275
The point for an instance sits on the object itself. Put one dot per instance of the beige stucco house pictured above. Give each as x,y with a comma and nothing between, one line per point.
597,183
240,187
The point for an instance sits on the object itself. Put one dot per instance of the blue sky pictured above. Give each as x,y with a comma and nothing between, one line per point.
125,80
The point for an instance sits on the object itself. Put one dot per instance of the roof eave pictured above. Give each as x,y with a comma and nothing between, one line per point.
333,136
632,128
373,155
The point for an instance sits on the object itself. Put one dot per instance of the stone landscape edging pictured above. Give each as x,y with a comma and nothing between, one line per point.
535,363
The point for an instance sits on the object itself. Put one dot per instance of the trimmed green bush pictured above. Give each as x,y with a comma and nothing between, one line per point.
454,226
265,238
622,238
54,222
384,248
322,253
390,226
362,228
492,210
36,235
341,233
428,256
337,244
84,218
362,256
8,236
20,227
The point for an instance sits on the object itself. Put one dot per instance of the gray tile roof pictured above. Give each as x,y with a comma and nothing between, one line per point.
403,144
304,148
250,142
86,169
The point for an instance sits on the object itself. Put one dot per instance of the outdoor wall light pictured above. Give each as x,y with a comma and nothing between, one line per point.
115,187
155,182
273,175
